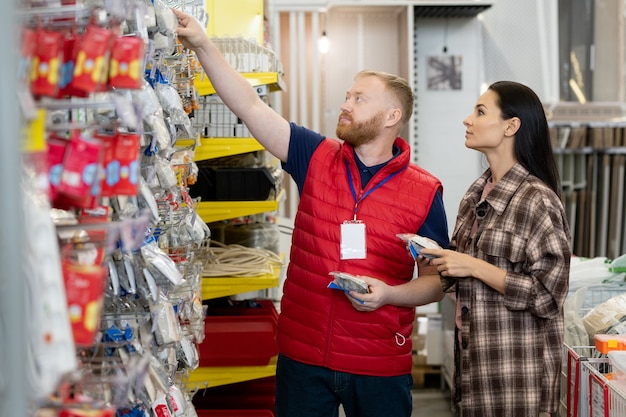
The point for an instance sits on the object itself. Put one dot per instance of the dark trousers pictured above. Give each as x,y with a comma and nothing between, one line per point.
313,391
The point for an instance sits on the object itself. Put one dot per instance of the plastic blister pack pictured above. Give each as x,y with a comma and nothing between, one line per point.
416,243
166,326
348,282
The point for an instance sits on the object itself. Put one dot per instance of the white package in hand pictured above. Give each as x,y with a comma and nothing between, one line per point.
416,243
347,282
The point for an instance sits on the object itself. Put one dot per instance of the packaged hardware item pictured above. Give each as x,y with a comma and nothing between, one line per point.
347,283
416,243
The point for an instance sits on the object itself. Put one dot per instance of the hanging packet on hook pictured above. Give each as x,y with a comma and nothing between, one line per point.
121,166
78,184
45,71
84,286
127,62
70,50
54,158
27,52
92,59
78,181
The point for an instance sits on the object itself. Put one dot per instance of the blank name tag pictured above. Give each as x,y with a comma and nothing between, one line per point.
353,240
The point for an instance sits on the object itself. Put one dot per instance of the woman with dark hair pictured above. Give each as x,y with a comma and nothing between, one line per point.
508,262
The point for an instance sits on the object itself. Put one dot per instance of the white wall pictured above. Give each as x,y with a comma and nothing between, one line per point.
359,39
439,139
520,43
515,40
512,40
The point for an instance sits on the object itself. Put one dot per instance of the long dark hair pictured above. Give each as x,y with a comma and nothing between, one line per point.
533,148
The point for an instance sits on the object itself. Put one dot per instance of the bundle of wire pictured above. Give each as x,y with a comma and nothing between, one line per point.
237,261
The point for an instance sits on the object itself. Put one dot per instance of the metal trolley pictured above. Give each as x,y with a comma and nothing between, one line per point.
587,389
587,386
573,386
605,397
578,361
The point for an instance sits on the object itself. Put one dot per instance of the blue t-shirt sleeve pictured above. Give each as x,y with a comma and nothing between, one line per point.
302,144
436,225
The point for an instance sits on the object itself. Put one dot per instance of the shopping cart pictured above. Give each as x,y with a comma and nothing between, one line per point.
574,387
604,398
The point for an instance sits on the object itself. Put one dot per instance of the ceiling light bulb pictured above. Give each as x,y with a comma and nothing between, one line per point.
323,43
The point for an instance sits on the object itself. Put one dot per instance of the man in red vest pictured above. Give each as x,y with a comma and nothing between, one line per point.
356,195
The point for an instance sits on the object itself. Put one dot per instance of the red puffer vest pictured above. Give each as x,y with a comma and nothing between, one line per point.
318,325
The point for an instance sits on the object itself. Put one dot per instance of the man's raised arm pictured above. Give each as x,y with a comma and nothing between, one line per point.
266,125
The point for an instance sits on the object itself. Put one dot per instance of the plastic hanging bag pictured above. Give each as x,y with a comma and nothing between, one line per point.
161,265
166,328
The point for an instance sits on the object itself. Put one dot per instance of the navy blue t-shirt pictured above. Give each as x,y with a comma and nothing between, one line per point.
304,142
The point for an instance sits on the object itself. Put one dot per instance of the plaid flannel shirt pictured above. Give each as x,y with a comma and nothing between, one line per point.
509,354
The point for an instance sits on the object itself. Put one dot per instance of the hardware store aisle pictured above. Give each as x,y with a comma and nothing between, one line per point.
429,402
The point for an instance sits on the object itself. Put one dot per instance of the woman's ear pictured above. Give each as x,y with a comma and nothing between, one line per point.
512,126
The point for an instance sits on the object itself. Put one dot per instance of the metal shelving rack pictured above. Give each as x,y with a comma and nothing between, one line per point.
211,211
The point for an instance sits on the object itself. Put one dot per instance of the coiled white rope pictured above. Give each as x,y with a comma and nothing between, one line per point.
237,261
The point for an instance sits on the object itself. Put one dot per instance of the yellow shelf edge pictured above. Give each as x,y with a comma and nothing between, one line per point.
209,377
225,286
186,143
213,211
214,287
210,148
205,88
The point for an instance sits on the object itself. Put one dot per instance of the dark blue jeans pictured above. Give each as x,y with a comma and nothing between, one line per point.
313,391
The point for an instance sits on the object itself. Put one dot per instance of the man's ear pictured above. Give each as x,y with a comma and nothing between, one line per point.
394,116
512,127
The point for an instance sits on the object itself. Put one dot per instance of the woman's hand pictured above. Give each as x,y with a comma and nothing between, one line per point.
454,264
450,263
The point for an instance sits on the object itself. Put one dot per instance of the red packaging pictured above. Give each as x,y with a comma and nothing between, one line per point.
81,170
127,154
109,165
92,59
84,288
86,412
55,155
26,54
97,237
121,167
70,50
161,410
127,59
44,76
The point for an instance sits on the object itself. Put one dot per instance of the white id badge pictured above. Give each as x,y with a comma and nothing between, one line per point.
353,240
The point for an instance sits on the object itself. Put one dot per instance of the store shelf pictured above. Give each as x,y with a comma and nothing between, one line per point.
215,376
213,211
226,286
210,148
256,79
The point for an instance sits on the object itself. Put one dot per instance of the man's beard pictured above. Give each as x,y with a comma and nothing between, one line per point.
360,133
